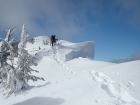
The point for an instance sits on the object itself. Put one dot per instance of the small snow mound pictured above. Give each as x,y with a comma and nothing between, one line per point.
41,38
40,43
100,77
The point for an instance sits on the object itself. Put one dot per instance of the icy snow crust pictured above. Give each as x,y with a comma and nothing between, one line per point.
72,79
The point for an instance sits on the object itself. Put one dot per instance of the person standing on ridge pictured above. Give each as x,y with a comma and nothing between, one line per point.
53,40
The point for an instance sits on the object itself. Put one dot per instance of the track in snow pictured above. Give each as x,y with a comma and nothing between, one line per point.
118,91
58,59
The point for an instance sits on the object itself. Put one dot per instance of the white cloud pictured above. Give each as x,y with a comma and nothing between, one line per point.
40,17
61,17
64,18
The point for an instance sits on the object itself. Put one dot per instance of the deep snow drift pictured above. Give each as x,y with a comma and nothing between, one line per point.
72,79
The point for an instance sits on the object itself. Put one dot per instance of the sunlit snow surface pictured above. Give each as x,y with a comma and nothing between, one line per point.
72,79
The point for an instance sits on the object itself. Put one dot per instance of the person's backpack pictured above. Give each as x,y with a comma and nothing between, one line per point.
52,38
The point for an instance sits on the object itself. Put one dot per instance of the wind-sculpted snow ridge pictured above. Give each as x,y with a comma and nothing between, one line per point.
114,89
67,49
70,50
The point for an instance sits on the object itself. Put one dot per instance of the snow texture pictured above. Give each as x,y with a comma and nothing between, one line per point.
72,79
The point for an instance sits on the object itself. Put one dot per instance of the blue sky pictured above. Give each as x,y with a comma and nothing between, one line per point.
114,25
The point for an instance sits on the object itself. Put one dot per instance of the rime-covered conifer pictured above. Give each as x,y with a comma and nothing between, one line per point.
14,78
7,52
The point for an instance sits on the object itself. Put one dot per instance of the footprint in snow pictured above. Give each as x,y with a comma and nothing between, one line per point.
117,73
97,101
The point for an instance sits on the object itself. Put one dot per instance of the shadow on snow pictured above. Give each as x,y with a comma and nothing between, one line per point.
42,101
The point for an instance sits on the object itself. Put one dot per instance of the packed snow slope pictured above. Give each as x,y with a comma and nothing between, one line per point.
72,79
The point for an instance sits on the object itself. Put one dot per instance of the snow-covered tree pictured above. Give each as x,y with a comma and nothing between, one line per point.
9,33
31,40
23,71
14,78
9,47
8,51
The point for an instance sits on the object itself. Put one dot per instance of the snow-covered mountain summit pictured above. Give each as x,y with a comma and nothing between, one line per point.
67,49
72,79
